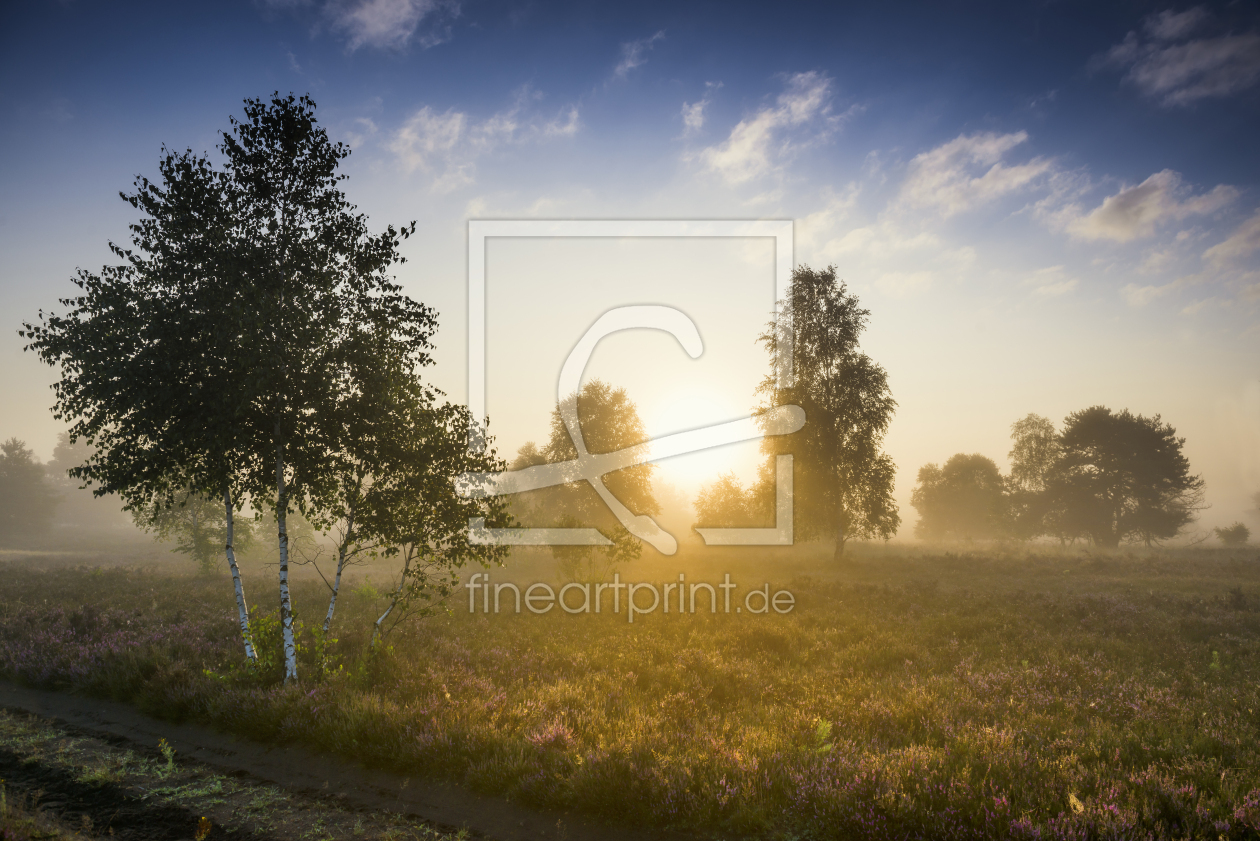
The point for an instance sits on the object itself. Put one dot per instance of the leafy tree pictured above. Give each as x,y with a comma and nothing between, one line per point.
609,421
229,349
151,375
1121,477
1034,452
27,503
198,524
726,503
1235,535
413,510
964,499
843,480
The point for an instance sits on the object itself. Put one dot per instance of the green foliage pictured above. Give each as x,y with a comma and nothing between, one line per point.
843,481
1120,477
198,525
27,502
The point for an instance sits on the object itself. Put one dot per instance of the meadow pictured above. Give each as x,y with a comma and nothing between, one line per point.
1004,692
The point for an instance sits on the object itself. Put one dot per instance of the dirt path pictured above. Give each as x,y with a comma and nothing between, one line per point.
299,770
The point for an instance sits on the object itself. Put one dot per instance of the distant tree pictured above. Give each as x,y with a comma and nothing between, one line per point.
1121,477
609,421
962,500
198,524
80,510
726,503
843,480
1235,535
1034,452
27,502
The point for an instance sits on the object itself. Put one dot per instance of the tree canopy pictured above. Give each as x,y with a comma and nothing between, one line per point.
963,500
1121,477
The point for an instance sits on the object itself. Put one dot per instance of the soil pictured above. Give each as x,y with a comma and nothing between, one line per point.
312,782
104,809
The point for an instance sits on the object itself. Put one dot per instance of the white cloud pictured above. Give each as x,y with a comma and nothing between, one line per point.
967,172
1140,296
634,54
1173,26
758,142
1165,66
1135,212
446,145
693,112
1243,241
390,24
1052,282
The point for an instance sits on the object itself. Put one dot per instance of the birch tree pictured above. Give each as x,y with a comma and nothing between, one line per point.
323,310
844,479
147,354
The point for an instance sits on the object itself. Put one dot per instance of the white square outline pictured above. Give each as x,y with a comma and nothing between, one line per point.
479,230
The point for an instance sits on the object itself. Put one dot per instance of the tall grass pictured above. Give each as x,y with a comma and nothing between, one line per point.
984,695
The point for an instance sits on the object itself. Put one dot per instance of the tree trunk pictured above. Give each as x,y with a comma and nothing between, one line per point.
341,565
841,535
286,606
242,610
402,582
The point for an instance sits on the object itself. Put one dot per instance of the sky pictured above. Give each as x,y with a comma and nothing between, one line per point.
1045,206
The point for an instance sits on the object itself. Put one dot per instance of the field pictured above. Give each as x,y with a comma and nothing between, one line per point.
996,693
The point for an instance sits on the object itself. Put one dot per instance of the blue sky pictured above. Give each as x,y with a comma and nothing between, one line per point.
1044,205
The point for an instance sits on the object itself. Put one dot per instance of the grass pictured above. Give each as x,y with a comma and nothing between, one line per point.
993,694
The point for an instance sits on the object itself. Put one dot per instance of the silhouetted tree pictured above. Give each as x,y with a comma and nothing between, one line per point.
152,377
1034,452
963,500
27,502
1235,535
227,353
610,422
843,479
1121,477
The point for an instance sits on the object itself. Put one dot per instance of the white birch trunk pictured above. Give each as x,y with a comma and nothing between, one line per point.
286,605
341,565
242,610
402,582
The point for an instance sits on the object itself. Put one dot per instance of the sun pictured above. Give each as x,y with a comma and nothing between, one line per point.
697,408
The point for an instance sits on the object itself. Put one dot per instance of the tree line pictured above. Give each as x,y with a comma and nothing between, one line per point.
1105,477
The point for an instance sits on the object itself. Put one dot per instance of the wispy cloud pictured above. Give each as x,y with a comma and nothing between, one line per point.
967,172
1244,241
1164,63
1052,282
1137,211
759,142
634,54
392,24
446,145
693,113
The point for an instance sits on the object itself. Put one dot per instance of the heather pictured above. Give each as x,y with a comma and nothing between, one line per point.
987,694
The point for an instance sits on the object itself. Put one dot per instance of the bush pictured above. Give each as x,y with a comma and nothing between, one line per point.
1235,535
